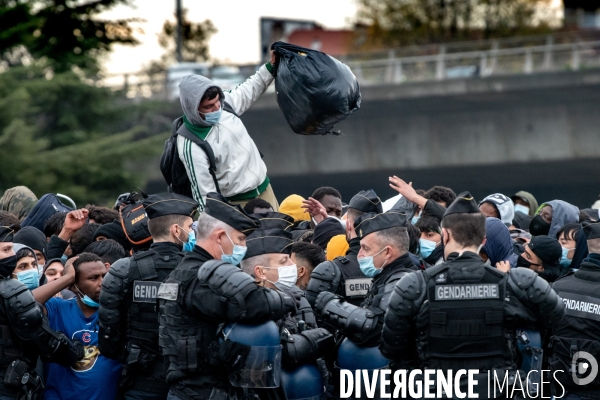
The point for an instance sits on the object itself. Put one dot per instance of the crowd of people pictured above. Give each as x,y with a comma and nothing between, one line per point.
229,294
149,321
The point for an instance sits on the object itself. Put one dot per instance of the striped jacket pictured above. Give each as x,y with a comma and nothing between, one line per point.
240,168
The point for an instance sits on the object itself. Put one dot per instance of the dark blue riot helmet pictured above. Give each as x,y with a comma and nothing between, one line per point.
353,357
262,366
303,383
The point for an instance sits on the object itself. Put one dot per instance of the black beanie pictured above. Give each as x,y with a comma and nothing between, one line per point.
114,231
32,237
327,229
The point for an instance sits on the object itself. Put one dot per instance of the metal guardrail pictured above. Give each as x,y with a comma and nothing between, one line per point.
522,60
518,55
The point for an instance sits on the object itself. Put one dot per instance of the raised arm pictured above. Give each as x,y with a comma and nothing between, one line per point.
45,292
30,325
242,97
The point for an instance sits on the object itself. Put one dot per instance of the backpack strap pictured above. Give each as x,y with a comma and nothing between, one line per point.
179,128
227,107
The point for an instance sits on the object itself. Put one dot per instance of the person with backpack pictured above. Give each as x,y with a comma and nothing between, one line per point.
210,149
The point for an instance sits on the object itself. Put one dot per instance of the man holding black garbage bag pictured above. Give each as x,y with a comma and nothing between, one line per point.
212,115
314,92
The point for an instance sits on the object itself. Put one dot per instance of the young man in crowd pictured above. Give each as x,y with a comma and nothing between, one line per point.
95,375
306,256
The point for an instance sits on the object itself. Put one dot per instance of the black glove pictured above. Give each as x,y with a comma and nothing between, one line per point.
294,299
229,354
322,299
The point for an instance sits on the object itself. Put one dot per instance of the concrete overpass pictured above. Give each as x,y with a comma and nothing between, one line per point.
536,132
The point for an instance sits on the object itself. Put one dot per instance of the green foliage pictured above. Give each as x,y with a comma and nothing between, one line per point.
63,135
392,23
195,37
63,33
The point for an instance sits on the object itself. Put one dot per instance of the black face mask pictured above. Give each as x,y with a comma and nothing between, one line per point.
522,262
539,226
7,266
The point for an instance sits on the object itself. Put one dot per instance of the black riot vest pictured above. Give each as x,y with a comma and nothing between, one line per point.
146,272
577,332
10,344
466,319
354,285
186,344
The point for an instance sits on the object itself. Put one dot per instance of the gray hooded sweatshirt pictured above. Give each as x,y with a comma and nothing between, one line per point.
563,213
241,171
191,90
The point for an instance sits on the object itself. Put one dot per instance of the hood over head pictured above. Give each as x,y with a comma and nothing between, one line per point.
528,197
498,245
563,213
191,90
581,250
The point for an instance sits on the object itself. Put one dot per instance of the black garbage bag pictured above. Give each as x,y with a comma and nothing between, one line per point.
314,91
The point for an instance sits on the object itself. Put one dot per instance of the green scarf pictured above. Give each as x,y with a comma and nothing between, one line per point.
200,131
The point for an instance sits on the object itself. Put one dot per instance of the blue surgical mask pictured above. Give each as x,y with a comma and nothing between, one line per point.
367,265
191,242
522,208
31,278
564,261
64,257
237,254
85,299
415,219
213,118
427,247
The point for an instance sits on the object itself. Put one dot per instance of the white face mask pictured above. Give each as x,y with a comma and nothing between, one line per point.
288,276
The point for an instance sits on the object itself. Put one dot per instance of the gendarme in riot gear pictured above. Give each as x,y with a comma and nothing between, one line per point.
384,257
579,331
25,334
465,293
342,275
268,261
199,298
128,315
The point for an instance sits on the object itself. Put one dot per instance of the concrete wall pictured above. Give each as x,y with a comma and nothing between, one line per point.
539,133
452,123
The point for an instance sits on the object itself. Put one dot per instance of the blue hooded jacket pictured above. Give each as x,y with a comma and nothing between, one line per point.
498,245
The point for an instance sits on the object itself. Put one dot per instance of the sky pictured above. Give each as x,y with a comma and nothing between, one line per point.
237,40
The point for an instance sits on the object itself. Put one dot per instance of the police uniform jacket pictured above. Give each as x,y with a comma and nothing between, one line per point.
580,329
463,314
192,312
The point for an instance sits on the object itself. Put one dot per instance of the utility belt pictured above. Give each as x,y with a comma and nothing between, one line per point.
17,378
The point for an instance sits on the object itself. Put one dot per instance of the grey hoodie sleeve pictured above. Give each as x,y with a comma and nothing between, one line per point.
242,97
